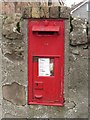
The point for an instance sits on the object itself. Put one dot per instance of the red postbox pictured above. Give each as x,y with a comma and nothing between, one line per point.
46,62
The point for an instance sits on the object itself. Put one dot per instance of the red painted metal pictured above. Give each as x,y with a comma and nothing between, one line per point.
46,40
46,28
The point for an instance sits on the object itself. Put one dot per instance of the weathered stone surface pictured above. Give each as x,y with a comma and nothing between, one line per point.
88,38
81,101
7,29
9,19
78,38
56,3
82,30
0,8
46,111
13,72
0,61
76,52
17,17
13,49
54,11
8,8
11,35
88,32
14,93
78,83
79,68
27,12
66,54
36,10
80,23
44,12
20,5
70,105
11,26
14,7
13,111
14,56
0,83
64,12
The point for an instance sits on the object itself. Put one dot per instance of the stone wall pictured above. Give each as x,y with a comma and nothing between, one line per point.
78,34
78,69
0,62
14,62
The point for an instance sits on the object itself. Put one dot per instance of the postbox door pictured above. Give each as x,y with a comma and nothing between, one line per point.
45,61
46,79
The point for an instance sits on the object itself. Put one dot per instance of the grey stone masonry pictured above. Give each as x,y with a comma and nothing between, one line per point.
1,61
89,32
44,11
14,93
78,35
14,62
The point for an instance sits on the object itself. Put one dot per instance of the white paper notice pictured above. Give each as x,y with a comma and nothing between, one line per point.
44,66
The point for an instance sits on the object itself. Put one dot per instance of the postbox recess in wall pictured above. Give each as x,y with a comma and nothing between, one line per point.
46,62
46,29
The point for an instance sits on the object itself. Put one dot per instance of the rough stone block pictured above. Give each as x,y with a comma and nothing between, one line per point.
10,27
79,23
11,35
20,5
8,20
54,11
8,8
64,12
15,56
36,10
43,3
13,50
27,12
80,30
44,12
17,17
7,29
14,93
55,3
78,38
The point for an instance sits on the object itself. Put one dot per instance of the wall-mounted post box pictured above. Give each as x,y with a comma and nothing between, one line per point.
46,62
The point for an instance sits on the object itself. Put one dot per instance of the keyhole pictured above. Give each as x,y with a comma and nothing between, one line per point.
36,84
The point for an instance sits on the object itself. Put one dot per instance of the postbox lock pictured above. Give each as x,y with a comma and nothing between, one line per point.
36,84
